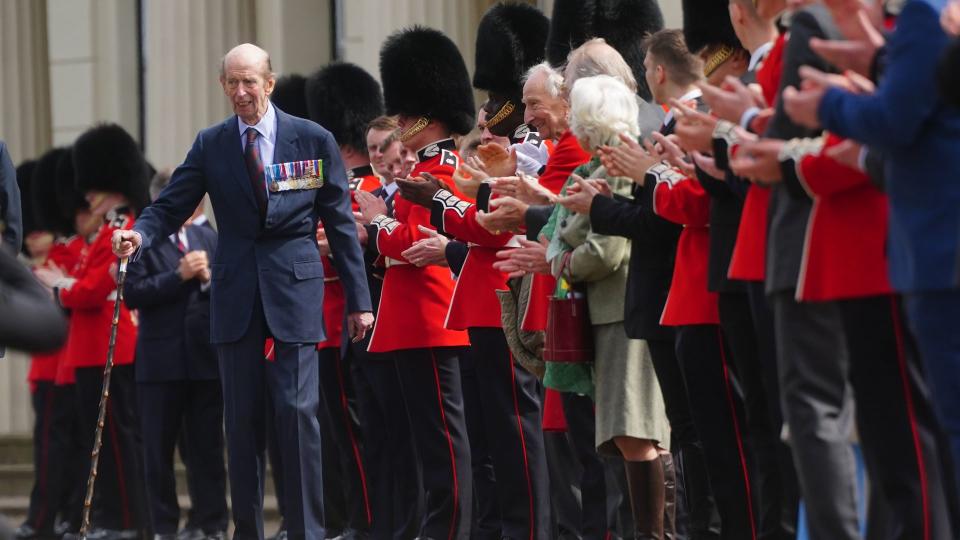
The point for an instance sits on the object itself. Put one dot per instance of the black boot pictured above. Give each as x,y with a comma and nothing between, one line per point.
669,497
646,483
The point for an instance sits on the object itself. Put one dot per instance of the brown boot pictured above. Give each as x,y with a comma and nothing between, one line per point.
669,497
646,483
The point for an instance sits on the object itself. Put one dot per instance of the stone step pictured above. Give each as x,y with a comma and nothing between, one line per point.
16,449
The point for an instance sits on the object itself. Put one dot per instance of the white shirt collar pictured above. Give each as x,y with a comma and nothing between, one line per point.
689,96
200,220
267,126
390,188
758,55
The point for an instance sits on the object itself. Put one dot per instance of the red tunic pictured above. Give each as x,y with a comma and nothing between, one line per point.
844,253
474,303
64,254
414,301
65,372
91,298
566,156
749,258
683,200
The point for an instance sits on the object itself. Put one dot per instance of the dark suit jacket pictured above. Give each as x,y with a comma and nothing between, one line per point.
789,210
166,304
279,259
10,211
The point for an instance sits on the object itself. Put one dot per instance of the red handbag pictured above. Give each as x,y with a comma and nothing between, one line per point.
569,332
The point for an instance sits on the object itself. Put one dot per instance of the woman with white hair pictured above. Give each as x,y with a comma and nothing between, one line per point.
630,417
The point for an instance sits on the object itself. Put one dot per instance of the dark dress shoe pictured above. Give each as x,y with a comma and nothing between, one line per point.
191,533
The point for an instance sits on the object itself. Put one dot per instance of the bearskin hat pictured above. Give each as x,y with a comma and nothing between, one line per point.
423,74
69,199
622,23
707,22
289,95
511,39
26,183
46,211
344,98
106,158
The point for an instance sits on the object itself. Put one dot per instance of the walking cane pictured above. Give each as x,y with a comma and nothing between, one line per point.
104,396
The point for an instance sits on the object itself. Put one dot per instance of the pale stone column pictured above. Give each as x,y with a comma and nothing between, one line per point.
25,127
184,41
24,78
296,33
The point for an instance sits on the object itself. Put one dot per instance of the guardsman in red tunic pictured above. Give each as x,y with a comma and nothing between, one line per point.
344,99
111,171
845,262
426,84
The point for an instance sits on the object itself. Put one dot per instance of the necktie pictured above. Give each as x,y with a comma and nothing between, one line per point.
251,156
180,245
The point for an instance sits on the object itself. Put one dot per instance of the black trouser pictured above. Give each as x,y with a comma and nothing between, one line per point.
119,497
195,409
601,495
486,506
56,469
717,413
775,479
698,500
512,418
394,477
340,413
430,379
895,420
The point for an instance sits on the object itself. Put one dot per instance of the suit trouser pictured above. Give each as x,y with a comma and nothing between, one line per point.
717,412
933,317
293,382
486,506
119,498
703,520
194,408
340,412
394,478
52,475
430,380
896,422
512,418
817,407
776,496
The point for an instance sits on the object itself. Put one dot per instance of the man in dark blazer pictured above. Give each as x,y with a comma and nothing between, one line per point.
266,278
178,382
10,227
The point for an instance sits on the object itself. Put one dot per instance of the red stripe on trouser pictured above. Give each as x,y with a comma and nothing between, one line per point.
453,458
44,460
736,430
121,480
912,417
523,442
353,439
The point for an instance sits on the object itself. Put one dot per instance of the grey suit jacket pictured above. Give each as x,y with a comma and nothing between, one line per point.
10,212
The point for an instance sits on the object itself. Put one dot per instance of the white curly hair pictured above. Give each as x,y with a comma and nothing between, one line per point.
601,108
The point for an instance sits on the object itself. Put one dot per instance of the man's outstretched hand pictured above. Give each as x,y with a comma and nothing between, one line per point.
125,243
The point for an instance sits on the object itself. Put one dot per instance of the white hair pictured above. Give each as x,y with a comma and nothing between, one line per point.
553,83
601,108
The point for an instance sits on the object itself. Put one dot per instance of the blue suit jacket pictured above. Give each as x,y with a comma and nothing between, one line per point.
10,214
166,305
279,261
919,136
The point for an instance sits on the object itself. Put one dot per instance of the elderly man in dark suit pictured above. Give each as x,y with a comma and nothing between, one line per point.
271,177
177,382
